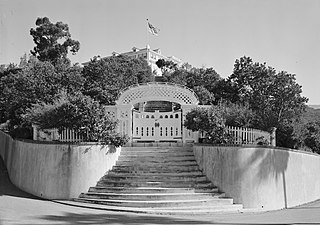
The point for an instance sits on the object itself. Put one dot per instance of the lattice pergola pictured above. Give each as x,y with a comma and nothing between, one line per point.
158,92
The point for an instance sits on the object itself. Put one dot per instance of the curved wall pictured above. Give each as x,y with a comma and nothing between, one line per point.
55,171
257,177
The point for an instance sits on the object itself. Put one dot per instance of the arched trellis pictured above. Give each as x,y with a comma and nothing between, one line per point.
154,92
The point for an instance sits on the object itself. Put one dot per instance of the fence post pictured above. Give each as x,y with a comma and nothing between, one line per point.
273,136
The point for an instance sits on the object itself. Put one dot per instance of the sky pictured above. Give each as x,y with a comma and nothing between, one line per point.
285,34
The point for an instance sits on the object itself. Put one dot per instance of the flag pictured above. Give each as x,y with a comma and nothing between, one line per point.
152,29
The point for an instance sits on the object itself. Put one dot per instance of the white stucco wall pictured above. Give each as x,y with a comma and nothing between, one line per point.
267,178
55,171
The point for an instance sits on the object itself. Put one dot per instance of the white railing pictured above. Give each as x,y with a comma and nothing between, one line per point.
240,135
67,135
246,136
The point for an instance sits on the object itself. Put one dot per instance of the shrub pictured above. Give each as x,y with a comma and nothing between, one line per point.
80,113
211,121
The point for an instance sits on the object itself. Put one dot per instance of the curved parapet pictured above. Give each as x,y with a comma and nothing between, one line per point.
266,178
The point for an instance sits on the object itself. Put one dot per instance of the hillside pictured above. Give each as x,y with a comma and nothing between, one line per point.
314,106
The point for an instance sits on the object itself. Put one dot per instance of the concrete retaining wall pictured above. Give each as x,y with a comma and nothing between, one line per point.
55,171
262,177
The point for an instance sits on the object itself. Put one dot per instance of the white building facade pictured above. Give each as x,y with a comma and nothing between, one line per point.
151,56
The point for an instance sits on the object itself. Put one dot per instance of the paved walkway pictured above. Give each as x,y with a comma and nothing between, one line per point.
18,207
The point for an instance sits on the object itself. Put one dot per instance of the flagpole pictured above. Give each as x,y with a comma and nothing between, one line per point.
147,33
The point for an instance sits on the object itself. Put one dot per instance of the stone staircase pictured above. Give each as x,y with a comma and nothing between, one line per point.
163,180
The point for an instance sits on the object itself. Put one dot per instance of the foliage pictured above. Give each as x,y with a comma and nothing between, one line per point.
20,90
312,136
238,115
275,97
80,113
36,82
166,66
105,78
306,131
226,91
53,41
209,120
206,97
10,69
202,80
262,141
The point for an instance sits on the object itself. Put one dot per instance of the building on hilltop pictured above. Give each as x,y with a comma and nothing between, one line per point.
151,56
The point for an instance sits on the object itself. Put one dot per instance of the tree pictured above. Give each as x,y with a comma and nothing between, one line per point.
211,121
306,130
312,136
80,113
53,41
166,66
238,115
36,82
275,97
105,78
201,80
205,97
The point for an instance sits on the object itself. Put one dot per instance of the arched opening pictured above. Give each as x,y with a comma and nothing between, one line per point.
154,112
159,117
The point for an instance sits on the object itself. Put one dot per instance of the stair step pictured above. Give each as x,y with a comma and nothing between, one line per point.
159,153
165,203
151,190
156,168
160,178
151,196
160,148
191,210
155,174
156,150
155,184
155,159
164,180
146,164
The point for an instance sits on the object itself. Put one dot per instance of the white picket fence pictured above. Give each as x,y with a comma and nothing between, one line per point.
245,136
67,135
241,135
248,136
